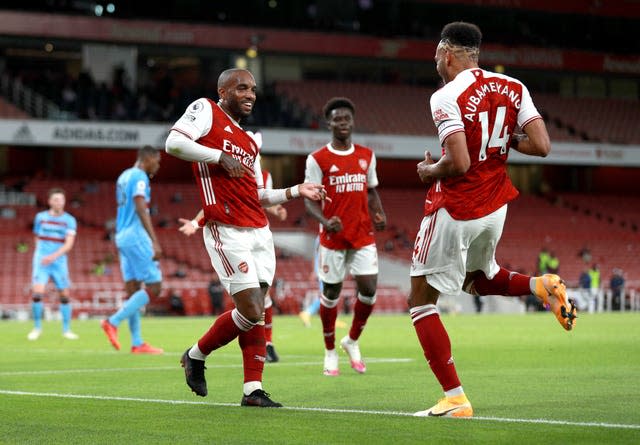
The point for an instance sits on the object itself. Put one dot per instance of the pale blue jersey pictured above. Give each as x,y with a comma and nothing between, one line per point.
131,183
52,232
133,241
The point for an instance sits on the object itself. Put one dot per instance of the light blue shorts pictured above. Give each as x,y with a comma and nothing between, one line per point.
58,271
136,263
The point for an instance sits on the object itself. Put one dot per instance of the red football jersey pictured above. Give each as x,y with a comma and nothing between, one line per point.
347,176
232,201
486,106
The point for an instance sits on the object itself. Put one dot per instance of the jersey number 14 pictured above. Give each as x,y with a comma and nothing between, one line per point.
499,132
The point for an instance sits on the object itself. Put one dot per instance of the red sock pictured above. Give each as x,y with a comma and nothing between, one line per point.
437,350
505,283
268,319
361,312
219,334
328,316
253,353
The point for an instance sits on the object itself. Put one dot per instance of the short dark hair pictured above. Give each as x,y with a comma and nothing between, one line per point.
54,190
147,151
338,102
462,34
224,77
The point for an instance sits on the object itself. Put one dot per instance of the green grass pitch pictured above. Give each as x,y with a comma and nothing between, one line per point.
528,381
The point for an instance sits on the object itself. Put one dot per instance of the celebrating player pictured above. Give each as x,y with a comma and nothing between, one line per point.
189,227
237,234
55,232
348,172
475,113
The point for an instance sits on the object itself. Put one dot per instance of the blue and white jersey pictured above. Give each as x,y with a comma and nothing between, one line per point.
131,183
51,232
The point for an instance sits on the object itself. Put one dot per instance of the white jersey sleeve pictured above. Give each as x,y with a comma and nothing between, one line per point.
372,174
312,172
196,120
257,171
528,110
446,114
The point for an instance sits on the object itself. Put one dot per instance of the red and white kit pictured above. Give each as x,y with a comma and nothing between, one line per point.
486,106
347,177
237,235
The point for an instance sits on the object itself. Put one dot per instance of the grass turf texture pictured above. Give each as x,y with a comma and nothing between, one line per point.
522,373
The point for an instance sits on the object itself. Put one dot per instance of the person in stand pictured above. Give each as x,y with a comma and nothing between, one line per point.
475,113
225,161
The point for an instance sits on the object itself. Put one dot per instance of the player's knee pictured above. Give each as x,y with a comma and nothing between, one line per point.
331,291
252,312
367,290
367,299
37,297
154,289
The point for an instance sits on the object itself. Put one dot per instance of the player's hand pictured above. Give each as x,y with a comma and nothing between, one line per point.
46,260
334,224
187,228
280,212
379,221
314,192
233,167
157,251
424,171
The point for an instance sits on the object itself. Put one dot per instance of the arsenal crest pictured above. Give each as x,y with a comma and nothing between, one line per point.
363,164
243,267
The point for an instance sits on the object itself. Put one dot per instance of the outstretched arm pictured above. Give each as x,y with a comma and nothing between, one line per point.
191,226
270,197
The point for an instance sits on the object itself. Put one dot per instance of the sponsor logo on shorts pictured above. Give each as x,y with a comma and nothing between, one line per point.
325,268
243,267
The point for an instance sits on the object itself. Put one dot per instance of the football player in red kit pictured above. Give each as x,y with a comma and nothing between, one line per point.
347,222
475,113
236,232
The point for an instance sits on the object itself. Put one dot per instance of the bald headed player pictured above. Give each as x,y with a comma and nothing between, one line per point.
236,232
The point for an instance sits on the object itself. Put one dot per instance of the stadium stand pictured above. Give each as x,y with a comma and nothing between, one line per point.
607,224
10,111
615,120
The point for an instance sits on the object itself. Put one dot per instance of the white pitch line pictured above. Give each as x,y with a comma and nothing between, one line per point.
322,410
176,368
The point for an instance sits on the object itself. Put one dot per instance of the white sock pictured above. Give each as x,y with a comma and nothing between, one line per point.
196,354
532,285
249,387
454,392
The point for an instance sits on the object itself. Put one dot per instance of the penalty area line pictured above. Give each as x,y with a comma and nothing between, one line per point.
322,410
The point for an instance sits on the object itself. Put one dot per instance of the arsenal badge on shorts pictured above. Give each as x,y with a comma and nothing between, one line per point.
243,267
